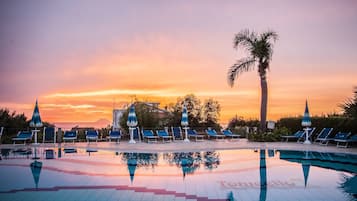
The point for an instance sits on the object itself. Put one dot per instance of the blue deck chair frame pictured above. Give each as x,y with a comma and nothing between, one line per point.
295,136
164,135
323,135
70,135
176,133
1,131
23,136
344,139
92,135
230,134
212,133
115,135
191,133
49,135
137,134
149,136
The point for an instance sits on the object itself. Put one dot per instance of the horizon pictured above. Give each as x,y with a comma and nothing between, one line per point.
82,59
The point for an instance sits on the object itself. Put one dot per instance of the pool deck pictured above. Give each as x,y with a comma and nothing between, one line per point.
180,146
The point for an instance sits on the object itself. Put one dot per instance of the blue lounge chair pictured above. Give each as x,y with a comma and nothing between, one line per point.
115,135
344,138
136,134
149,136
193,134
229,133
49,134
213,133
325,136
177,133
296,136
325,133
92,135
22,136
164,135
70,135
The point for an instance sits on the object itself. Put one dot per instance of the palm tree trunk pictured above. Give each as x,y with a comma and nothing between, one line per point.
264,101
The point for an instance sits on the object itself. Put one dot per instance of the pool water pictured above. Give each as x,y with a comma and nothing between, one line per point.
79,174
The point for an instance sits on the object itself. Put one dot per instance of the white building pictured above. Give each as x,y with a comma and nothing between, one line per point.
117,114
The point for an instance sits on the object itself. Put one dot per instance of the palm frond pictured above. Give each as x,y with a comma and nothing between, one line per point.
244,38
242,65
266,36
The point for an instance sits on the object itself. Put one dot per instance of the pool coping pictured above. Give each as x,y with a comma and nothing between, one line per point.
180,146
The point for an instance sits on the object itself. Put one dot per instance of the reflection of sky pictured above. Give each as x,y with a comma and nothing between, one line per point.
238,172
77,56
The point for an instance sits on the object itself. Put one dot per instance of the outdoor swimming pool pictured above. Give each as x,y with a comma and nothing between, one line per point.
80,174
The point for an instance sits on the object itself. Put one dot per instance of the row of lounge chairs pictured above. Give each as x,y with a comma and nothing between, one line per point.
342,139
49,134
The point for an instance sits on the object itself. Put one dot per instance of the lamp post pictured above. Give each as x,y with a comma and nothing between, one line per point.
184,122
306,122
131,123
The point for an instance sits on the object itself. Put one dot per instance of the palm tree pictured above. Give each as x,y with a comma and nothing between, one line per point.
260,49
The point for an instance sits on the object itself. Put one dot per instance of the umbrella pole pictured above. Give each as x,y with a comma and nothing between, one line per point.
131,130
307,141
186,138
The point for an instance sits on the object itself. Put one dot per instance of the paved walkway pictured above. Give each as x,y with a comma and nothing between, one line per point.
180,146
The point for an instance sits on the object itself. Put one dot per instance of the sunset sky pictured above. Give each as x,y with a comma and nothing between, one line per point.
78,57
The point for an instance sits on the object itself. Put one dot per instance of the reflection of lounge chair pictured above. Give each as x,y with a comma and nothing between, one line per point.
164,135
193,134
115,135
344,138
92,135
49,134
22,136
213,133
176,132
70,135
325,133
149,136
229,133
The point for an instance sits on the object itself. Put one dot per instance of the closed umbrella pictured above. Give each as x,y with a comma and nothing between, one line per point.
184,122
36,121
306,122
132,122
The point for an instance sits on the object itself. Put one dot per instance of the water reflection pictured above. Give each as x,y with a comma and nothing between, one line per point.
135,160
263,176
191,161
349,185
36,167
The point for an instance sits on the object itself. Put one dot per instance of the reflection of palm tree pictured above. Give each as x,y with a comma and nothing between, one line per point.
211,159
263,176
348,185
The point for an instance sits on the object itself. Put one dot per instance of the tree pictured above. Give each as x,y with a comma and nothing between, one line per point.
260,50
147,117
350,106
194,110
211,110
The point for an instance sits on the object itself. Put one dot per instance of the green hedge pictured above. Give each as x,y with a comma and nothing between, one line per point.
343,124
